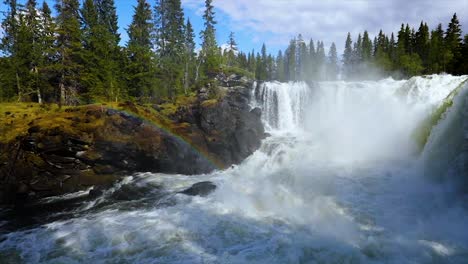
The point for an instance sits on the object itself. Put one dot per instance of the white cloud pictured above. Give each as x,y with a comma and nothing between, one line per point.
280,20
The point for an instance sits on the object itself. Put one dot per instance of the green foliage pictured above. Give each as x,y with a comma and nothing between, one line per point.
412,53
170,43
69,47
140,71
210,54
75,56
411,64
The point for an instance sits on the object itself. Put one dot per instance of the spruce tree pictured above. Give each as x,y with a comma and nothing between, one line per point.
291,66
453,43
189,56
34,53
92,32
280,74
9,46
311,63
170,43
332,69
111,59
422,42
392,50
302,58
321,61
210,53
232,50
366,47
348,56
462,66
261,72
69,48
140,70
49,51
107,15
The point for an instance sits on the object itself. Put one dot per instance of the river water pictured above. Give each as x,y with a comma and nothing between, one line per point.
340,180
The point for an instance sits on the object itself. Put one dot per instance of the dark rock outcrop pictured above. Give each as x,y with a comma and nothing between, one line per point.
102,144
200,189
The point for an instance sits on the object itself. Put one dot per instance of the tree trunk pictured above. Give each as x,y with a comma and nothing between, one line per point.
38,90
39,96
18,86
62,91
186,76
197,73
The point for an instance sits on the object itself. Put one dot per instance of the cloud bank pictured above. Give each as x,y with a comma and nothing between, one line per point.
277,21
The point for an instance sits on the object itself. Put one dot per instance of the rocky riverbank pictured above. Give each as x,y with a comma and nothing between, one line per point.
50,152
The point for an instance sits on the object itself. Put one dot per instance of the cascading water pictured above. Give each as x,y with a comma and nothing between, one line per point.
341,180
283,104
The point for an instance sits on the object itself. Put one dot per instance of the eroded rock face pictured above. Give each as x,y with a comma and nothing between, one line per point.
234,131
208,134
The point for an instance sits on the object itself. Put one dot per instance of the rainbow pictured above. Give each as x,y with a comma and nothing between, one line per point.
217,165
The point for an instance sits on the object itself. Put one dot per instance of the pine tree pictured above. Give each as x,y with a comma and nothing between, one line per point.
321,61
107,15
232,50
280,70
348,56
332,63
111,53
34,50
311,63
170,43
140,68
189,56
210,53
366,47
48,50
453,43
92,32
302,58
10,47
381,54
462,66
291,61
252,62
422,42
392,50
261,72
69,48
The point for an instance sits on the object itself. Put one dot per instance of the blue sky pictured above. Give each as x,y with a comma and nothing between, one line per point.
275,22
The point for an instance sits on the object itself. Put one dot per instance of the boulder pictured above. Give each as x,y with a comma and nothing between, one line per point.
200,189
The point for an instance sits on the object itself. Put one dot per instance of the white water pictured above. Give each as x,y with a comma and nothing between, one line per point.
339,181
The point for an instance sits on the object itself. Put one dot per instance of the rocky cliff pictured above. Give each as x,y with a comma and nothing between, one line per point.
59,151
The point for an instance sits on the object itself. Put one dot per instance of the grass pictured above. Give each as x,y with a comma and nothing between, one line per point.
84,121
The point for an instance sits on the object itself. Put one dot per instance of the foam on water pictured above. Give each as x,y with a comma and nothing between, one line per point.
338,181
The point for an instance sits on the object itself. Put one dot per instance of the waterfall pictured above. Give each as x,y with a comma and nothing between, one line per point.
357,120
283,104
341,179
446,152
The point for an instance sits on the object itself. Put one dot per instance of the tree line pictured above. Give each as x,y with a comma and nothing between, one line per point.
75,57
408,54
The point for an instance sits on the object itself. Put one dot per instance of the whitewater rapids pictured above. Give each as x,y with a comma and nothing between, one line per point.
341,179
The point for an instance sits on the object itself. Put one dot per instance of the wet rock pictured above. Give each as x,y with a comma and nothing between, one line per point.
200,189
95,192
